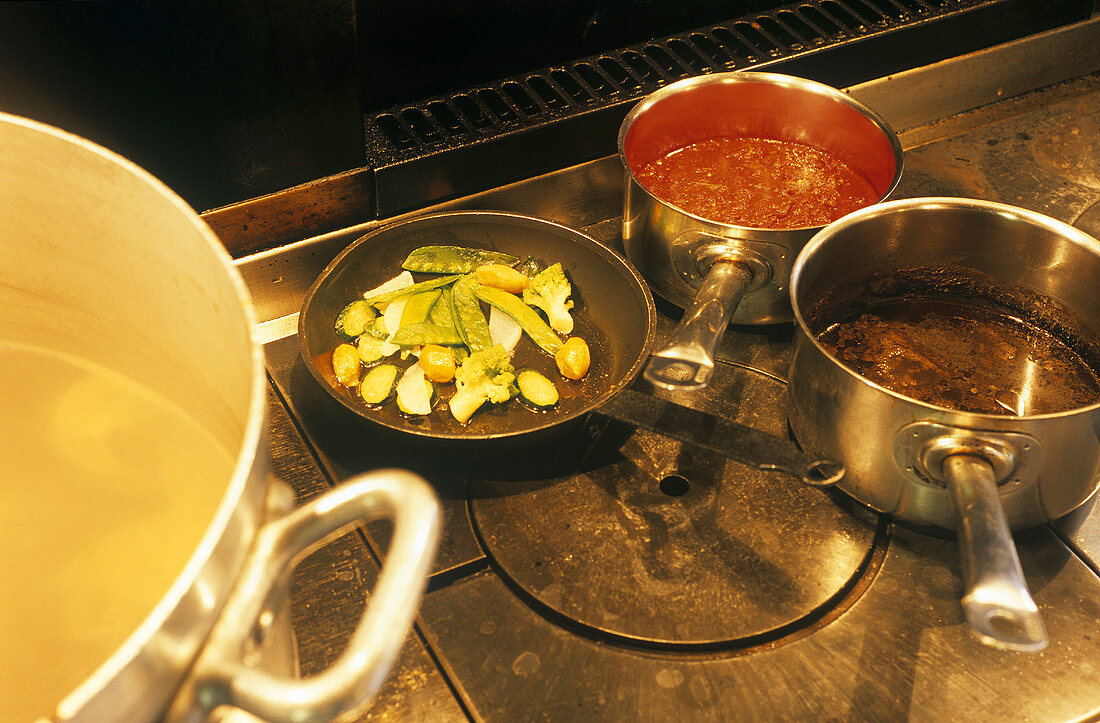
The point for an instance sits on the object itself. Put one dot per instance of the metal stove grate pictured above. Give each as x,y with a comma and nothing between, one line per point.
841,42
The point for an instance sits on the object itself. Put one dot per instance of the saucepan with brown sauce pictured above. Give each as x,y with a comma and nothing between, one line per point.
727,177
947,352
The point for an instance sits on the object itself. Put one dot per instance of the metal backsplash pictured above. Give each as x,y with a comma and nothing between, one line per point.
481,137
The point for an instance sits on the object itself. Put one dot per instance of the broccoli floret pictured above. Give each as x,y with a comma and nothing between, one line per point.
549,290
484,376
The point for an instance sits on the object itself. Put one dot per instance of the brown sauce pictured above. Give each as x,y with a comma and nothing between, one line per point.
963,356
757,182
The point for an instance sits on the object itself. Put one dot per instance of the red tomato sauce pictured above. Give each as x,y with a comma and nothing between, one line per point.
757,182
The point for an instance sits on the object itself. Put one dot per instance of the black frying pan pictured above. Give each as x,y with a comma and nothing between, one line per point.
613,312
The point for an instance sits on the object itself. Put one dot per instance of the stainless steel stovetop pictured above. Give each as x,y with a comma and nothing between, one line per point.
649,580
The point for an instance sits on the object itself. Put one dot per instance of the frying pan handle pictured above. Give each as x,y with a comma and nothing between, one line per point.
687,361
221,677
997,603
721,436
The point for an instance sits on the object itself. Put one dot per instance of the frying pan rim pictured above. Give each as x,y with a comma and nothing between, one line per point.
822,237
613,258
767,78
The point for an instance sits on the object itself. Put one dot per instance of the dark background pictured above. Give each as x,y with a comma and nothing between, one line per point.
229,100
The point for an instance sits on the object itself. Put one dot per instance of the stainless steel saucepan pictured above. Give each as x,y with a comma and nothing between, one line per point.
721,271
981,473
143,541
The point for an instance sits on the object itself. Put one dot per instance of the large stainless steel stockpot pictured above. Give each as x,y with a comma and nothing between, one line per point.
133,560
720,271
979,473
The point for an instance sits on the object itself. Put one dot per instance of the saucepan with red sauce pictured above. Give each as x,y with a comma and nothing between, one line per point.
947,352
727,177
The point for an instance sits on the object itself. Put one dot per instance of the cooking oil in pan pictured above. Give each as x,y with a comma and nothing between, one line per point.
964,356
108,488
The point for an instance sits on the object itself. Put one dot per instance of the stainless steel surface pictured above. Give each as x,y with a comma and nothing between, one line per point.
148,294
997,603
503,632
725,271
687,360
838,413
656,234
223,675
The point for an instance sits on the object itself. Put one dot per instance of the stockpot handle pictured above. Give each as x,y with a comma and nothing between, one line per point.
997,604
687,361
221,678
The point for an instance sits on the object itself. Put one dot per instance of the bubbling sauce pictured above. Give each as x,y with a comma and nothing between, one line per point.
757,182
963,356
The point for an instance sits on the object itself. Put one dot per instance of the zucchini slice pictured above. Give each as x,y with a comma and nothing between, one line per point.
378,383
536,389
353,319
371,349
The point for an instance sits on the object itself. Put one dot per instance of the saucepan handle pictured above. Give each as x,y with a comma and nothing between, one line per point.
220,677
687,361
998,606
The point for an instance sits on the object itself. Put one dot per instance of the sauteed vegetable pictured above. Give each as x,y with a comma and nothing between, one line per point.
461,357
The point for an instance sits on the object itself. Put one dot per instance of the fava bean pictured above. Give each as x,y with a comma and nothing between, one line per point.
573,359
345,364
438,363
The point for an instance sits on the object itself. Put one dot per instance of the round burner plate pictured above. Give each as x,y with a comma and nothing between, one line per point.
660,542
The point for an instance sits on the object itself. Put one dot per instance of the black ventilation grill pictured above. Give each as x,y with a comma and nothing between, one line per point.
483,137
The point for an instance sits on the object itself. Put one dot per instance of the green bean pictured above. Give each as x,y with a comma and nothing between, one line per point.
528,319
425,332
453,259
414,289
469,320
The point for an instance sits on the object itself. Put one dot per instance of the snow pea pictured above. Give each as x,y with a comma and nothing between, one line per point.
440,314
453,259
468,318
414,289
528,319
417,307
425,332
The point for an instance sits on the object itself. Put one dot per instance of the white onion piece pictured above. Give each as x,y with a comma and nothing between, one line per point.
503,329
391,317
400,281
413,391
